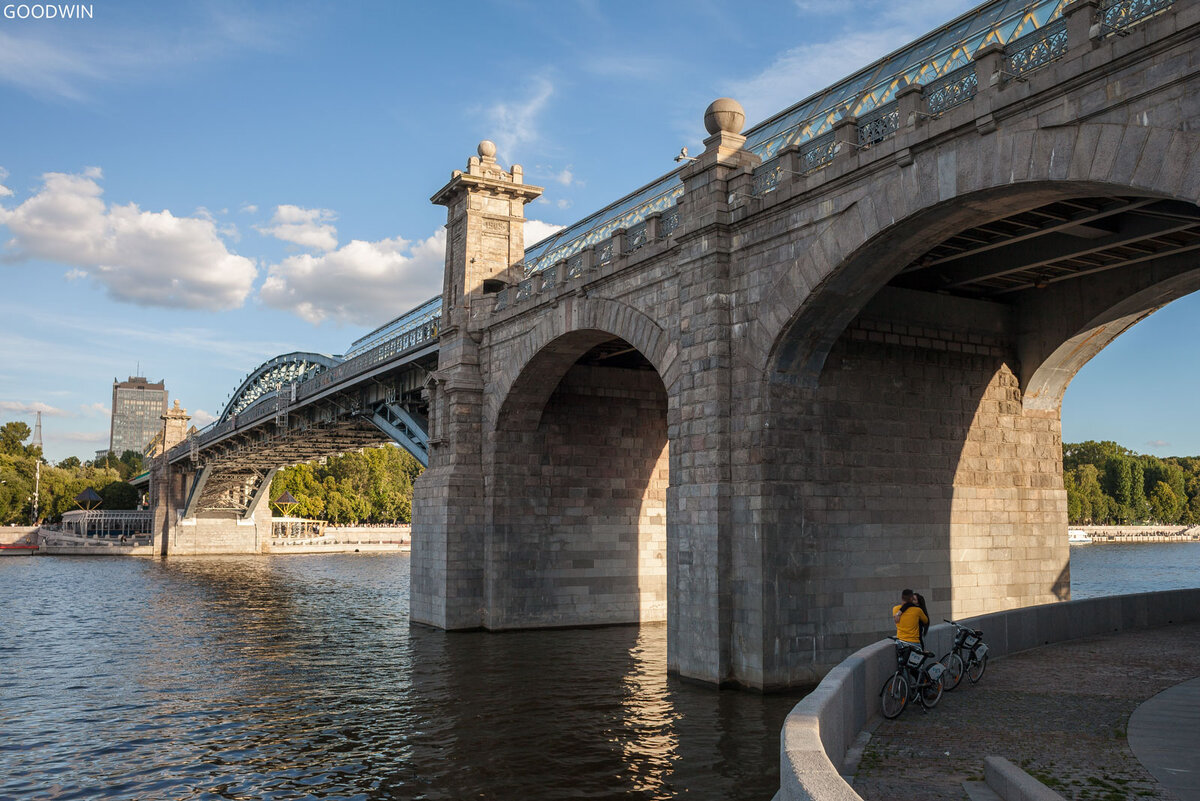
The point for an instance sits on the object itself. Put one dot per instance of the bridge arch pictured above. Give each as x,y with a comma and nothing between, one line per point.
578,461
913,407
606,318
884,224
286,368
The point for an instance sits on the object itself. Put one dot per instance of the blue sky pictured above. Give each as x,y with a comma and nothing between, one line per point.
196,187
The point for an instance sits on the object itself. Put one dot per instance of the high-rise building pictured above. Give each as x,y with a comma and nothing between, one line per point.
137,410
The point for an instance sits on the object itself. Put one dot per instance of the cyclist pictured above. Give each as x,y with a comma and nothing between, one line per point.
909,617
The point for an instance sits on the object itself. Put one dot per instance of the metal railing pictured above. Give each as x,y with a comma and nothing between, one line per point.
1117,15
952,89
400,344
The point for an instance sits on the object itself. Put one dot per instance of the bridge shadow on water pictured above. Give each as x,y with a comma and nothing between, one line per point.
584,713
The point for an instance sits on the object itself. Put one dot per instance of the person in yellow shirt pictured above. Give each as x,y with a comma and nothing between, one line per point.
909,617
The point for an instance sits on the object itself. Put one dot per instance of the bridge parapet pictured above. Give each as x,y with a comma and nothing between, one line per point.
974,61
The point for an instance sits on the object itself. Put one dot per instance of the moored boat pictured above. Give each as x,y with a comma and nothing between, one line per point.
18,550
1078,537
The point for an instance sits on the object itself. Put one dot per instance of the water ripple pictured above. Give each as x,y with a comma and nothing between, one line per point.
300,678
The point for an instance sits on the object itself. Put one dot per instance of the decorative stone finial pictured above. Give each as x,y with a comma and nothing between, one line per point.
487,149
723,115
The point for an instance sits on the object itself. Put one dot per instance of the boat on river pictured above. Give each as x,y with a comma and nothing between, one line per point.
18,550
1077,537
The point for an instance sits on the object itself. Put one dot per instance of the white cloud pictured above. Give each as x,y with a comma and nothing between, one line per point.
142,257
94,410
310,228
201,418
249,208
4,190
873,30
514,123
23,407
565,176
82,436
360,282
536,231
1158,443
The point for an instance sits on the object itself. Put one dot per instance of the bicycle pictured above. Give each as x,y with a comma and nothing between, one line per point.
968,642
918,678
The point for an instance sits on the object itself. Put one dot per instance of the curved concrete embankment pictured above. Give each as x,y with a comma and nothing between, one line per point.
822,727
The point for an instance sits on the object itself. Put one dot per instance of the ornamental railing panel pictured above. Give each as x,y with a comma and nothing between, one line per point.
1117,15
881,123
668,222
818,153
635,237
766,178
604,253
952,89
1035,50
549,279
575,266
524,289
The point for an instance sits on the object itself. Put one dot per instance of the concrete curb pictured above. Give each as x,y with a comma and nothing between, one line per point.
822,727
1013,784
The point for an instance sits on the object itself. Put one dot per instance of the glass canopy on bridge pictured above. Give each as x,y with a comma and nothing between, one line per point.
931,57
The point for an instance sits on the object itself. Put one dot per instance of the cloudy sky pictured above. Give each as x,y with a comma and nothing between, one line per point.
187,189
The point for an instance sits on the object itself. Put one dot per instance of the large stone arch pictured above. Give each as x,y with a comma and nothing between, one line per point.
943,190
576,464
907,455
591,317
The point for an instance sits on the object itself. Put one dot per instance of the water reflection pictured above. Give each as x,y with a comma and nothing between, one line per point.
299,677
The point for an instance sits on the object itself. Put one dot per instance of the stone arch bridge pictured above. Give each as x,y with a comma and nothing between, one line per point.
820,361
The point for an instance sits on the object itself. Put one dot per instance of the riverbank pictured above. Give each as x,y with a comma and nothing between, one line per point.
345,539
1141,533
18,535
1060,712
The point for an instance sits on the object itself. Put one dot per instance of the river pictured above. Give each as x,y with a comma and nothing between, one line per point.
288,677
296,677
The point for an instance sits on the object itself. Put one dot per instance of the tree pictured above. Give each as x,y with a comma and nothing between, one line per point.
1165,505
12,438
120,495
70,463
372,486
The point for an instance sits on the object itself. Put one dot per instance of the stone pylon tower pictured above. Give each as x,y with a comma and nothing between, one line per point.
485,243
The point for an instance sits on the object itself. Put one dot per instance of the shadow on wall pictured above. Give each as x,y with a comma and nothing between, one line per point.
580,499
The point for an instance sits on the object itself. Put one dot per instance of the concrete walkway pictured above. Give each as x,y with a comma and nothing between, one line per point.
1164,734
1061,712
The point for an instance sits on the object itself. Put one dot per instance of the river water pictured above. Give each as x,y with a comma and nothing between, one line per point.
287,677
292,677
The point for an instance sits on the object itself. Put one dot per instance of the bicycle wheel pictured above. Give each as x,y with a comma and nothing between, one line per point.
931,690
976,668
954,670
893,696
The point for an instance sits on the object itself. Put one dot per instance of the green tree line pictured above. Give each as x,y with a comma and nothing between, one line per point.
374,486
1110,485
59,484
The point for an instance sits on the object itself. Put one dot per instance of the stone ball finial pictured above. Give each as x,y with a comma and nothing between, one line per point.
487,149
724,115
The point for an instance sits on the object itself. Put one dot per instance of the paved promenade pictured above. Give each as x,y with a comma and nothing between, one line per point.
1061,712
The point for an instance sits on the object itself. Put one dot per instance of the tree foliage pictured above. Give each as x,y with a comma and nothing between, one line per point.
374,486
57,487
1110,485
